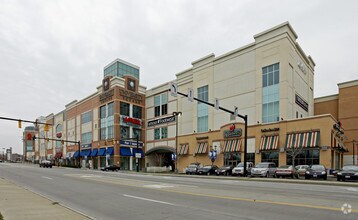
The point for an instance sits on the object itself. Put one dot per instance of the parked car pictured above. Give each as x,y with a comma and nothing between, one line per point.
111,167
265,169
287,171
207,170
46,163
349,172
316,171
192,168
239,169
301,169
225,170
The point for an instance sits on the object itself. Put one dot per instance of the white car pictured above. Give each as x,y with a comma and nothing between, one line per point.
265,169
239,169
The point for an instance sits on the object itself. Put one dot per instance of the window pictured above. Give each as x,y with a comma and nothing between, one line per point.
137,111
86,117
270,93
124,108
86,138
107,121
232,158
305,157
160,133
203,110
137,132
250,157
269,156
161,104
124,133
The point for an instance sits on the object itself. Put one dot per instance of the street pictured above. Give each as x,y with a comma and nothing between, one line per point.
124,195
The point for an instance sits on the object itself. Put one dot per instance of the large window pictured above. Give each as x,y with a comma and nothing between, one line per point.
269,156
160,133
232,158
137,132
137,111
107,121
161,104
86,117
124,109
86,138
203,109
121,70
305,157
124,133
270,93
250,157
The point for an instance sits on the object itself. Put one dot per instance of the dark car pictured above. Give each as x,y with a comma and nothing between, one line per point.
349,172
317,172
46,163
111,167
207,170
192,168
287,171
225,170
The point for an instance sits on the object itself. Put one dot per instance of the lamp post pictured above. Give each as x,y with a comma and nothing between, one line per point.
3,153
176,114
213,155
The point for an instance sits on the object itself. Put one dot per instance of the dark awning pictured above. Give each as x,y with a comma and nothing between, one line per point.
76,154
161,149
85,153
101,152
110,151
94,152
138,151
125,151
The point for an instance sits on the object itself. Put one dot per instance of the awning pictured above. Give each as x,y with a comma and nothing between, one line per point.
306,139
138,151
201,148
232,145
85,153
125,151
76,154
101,152
94,152
269,143
183,149
58,155
160,150
109,151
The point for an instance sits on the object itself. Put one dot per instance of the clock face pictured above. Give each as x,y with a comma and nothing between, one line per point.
131,85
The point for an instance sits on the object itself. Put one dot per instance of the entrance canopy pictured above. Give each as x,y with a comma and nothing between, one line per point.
161,149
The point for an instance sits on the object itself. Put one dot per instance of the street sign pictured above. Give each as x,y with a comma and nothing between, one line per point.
138,155
216,104
173,89
174,157
191,94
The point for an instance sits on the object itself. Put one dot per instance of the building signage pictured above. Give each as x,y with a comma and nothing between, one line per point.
131,143
302,103
302,67
106,96
131,96
161,121
132,120
202,138
270,129
86,145
234,133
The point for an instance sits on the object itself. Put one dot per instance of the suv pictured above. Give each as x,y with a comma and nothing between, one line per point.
239,169
265,169
46,163
192,168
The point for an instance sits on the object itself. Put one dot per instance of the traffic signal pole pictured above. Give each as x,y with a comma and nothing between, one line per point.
244,117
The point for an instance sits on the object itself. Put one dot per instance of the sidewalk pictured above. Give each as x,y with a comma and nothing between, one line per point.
19,203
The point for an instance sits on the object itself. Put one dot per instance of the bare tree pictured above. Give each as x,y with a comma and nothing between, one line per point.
293,152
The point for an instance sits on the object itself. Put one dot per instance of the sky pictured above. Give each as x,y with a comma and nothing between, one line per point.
54,52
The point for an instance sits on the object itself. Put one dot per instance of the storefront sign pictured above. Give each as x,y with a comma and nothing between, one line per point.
131,143
302,103
270,129
161,121
86,145
132,121
106,96
131,96
234,133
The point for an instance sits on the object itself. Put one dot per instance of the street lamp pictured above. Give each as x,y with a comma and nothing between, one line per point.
213,155
176,114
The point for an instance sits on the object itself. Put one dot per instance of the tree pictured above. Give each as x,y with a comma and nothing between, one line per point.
293,152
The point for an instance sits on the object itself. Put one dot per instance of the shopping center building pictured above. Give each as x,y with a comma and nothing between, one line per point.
270,80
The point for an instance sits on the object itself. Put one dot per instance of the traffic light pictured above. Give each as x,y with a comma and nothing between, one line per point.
46,127
62,142
113,141
19,123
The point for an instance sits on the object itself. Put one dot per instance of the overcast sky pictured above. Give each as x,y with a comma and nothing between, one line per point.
53,52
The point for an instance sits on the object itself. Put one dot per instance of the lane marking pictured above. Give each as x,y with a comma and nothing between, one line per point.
157,186
45,177
352,189
150,200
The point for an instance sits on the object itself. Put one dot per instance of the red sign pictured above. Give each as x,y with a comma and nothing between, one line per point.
29,137
132,120
232,127
59,135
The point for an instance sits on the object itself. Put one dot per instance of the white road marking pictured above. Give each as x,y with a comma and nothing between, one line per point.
45,177
150,200
90,175
352,189
157,186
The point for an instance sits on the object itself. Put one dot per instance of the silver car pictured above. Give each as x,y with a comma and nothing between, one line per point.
265,169
239,169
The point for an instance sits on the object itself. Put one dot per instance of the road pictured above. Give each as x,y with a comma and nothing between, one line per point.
121,195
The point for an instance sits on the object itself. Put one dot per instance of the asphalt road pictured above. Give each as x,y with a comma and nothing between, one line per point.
119,195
